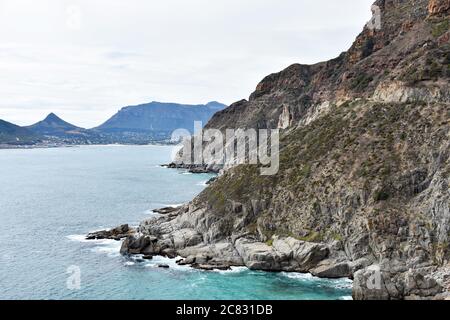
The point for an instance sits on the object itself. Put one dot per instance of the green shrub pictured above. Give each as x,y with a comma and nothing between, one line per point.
382,195
440,28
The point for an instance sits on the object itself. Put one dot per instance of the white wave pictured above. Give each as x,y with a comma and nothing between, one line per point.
203,183
186,173
129,263
104,246
299,276
150,212
232,270
108,247
77,238
346,298
157,260
343,283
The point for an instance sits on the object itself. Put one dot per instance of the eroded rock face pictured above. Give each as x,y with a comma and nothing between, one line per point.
399,92
436,7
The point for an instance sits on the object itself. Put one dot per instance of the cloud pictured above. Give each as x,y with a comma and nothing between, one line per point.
85,59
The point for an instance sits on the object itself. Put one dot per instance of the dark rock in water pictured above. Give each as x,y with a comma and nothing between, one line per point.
118,233
192,168
135,245
212,180
199,170
185,262
147,257
166,210
171,165
169,253
163,266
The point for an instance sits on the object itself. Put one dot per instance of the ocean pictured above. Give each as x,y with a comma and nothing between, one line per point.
51,198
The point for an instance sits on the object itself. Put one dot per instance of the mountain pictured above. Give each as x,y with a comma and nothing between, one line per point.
157,120
57,131
52,125
14,135
363,186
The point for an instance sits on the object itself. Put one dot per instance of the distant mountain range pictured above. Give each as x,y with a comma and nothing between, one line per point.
156,120
141,124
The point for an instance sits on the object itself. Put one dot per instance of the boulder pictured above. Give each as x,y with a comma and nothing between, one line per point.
285,254
332,269
135,245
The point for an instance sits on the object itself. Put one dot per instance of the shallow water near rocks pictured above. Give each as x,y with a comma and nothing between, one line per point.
50,198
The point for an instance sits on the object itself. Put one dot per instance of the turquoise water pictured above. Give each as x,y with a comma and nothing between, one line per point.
50,198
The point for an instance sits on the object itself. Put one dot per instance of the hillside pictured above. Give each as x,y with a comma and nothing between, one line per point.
14,135
363,188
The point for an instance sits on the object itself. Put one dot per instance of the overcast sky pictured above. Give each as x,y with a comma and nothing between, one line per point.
86,59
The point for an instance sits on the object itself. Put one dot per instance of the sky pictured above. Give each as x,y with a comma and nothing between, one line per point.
85,59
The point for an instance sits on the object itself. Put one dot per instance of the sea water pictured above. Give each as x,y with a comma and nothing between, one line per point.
51,198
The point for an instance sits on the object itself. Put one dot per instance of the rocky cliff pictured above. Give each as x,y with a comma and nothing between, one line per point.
363,187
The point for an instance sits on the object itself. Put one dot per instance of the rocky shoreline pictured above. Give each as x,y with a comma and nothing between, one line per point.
175,234
193,168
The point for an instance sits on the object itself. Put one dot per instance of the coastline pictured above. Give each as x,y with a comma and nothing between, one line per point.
53,146
181,234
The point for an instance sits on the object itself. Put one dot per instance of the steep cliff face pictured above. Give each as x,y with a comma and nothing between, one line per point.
400,56
365,170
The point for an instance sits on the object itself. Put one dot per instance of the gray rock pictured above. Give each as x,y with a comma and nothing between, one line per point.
135,245
376,283
332,269
286,254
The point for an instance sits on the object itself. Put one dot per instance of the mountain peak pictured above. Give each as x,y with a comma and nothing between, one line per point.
53,125
52,117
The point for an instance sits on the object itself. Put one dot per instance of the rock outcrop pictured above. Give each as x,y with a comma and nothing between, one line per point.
436,7
118,233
